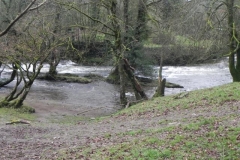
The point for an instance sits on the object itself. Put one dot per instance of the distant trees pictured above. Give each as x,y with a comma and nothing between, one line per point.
183,33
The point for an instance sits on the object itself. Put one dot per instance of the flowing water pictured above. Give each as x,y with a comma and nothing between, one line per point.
102,94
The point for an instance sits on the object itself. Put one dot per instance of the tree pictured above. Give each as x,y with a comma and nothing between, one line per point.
234,48
114,28
32,49
9,23
55,55
228,11
28,51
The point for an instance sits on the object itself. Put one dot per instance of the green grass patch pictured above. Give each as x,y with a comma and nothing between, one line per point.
186,41
206,98
180,144
9,114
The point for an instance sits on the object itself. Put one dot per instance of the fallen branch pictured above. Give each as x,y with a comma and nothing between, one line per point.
18,122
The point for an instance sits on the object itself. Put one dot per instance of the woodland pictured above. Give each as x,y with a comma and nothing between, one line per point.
69,119
130,35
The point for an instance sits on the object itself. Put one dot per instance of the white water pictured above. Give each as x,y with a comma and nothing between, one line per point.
191,77
200,76
98,94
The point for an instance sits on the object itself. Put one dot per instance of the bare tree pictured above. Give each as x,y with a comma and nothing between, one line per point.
31,50
10,22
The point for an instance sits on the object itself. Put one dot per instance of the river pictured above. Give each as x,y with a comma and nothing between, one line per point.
101,94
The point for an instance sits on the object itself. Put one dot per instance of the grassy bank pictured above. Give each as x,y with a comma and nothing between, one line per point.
204,124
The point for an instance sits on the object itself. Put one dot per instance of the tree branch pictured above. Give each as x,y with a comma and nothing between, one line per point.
17,18
38,5
153,3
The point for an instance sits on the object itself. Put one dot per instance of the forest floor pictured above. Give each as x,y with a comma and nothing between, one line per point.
203,124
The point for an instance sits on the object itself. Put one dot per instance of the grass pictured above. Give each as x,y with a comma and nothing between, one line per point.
9,114
183,41
211,98
204,142
204,136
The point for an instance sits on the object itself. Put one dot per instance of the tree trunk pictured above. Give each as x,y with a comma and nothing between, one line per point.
13,75
19,102
160,91
126,21
141,28
119,53
139,93
55,56
161,81
53,65
16,98
122,81
113,77
234,55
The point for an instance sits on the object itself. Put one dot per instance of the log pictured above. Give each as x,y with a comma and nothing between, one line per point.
173,85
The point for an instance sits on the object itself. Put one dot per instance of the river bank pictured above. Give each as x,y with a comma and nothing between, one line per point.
205,124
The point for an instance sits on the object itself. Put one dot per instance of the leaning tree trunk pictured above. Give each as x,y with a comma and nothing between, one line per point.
19,102
17,96
139,93
13,75
113,77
